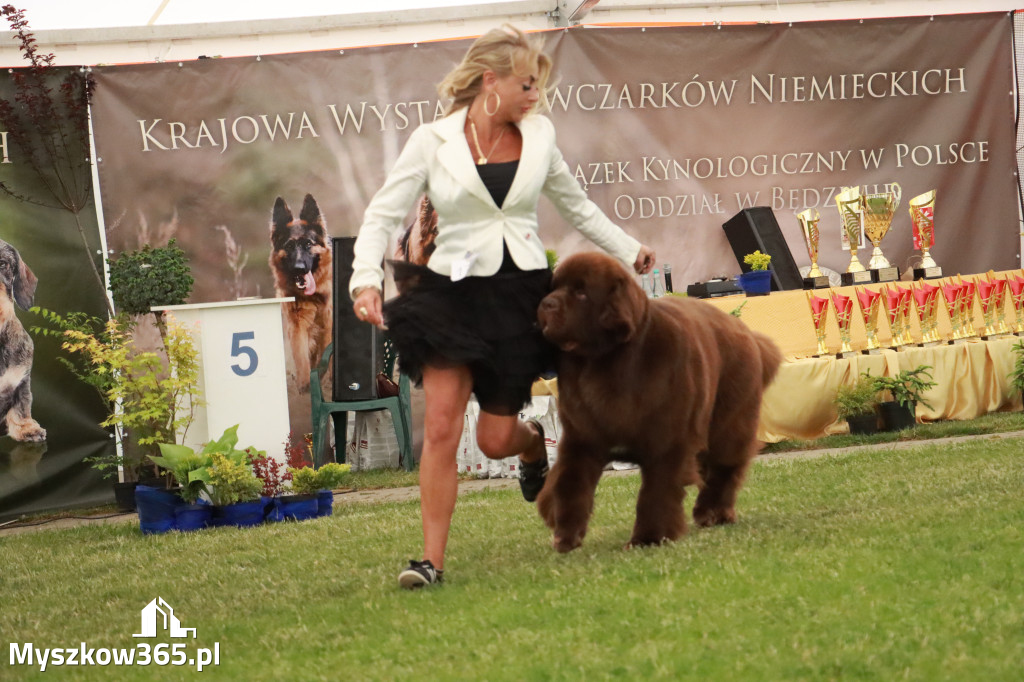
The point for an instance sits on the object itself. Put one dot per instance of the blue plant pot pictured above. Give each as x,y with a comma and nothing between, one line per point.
188,517
156,509
325,503
298,507
240,514
272,509
756,282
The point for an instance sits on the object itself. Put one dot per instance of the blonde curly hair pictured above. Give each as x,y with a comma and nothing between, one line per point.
505,51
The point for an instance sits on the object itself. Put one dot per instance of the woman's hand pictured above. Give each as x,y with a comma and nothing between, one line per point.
367,306
644,260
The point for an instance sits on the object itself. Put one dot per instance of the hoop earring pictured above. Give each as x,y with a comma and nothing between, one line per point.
496,106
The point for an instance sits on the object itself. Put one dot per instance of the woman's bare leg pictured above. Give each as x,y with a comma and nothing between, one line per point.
446,392
501,436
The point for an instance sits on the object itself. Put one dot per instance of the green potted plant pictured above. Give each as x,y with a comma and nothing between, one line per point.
857,403
234,490
1017,374
150,276
312,489
906,389
319,483
758,280
149,394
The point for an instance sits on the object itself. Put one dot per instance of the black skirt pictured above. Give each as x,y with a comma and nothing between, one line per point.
488,324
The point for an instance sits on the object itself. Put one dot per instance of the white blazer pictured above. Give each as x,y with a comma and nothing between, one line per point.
437,160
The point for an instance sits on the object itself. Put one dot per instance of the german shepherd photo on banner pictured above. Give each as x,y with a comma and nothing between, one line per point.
300,259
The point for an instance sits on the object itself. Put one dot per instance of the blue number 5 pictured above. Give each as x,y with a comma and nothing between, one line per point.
238,349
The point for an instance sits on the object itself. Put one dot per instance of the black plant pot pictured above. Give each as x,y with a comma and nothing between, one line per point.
124,496
863,424
159,482
896,417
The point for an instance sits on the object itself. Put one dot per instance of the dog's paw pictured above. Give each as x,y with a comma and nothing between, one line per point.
713,517
30,433
645,541
567,542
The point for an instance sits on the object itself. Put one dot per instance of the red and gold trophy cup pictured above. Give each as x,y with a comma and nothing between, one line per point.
922,215
926,296
1016,287
967,307
850,216
953,293
897,308
990,295
891,303
1000,303
870,301
844,315
819,316
906,298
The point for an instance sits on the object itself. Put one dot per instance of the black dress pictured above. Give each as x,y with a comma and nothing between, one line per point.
488,324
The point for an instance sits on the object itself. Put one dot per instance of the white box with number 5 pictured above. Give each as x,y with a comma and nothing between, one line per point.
241,371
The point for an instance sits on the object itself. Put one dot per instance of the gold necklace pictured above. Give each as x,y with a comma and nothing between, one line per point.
482,158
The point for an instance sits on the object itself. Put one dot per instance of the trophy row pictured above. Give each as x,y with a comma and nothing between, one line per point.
871,215
958,297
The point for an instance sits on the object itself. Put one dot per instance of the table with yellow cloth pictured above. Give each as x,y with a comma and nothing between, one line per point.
972,376
971,380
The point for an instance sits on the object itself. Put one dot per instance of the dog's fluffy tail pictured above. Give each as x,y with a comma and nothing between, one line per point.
771,357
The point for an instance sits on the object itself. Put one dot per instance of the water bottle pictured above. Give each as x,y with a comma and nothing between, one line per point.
645,282
657,289
668,278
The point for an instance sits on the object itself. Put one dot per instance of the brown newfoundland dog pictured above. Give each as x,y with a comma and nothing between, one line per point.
673,385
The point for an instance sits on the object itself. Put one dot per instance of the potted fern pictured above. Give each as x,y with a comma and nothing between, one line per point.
1017,374
906,389
857,403
758,280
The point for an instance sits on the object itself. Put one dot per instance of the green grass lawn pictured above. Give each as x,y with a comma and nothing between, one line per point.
876,565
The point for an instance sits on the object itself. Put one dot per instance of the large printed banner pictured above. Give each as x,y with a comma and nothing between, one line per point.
49,421
672,131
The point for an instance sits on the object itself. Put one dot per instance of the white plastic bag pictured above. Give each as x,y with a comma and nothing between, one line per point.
470,459
372,441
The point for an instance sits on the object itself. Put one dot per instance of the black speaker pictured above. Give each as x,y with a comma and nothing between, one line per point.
358,345
755,229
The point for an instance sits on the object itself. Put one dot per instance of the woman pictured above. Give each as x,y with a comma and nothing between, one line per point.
465,323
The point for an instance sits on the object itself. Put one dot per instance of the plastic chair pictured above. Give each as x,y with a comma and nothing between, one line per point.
400,407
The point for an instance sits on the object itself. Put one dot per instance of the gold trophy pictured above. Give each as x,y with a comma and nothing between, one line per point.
926,296
809,226
891,303
953,293
869,304
990,293
819,316
967,307
906,298
1000,313
878,210
850,214
922,215
844,315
